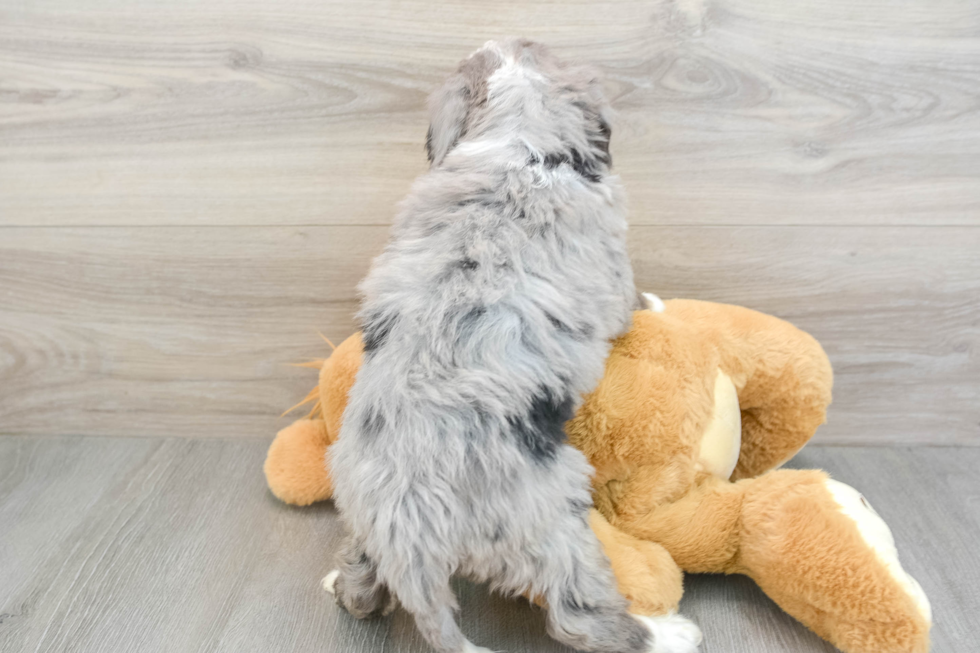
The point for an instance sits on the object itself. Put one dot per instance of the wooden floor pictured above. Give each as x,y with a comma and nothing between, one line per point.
190,190
115,545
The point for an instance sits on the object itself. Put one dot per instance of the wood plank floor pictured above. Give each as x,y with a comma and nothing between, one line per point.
114,545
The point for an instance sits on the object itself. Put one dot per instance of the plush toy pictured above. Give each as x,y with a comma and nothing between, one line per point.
699,404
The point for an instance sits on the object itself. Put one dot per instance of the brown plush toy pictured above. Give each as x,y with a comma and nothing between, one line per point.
699,404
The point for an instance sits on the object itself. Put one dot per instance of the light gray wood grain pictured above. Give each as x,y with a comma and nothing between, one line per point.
311,111
190,331
144,544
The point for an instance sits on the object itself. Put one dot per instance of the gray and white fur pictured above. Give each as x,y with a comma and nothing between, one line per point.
485,319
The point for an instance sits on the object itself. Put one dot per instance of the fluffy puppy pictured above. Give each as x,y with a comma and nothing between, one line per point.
485,319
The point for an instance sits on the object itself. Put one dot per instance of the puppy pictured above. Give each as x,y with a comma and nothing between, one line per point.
485,319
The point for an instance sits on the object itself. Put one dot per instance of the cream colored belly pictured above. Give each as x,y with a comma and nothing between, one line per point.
722,438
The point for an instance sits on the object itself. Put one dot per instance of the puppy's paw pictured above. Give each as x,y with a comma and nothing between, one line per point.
470,647
330,580
672,633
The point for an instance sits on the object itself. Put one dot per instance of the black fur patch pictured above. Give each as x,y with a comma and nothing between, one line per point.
558,324
555,159
428,145
583,165
473,315
375,331
602,143
599,139
579,506
484,200
570,604
374,423
582,333
498,532
542,430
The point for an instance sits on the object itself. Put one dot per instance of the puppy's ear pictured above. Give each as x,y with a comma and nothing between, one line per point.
451,108
599,139
596,111
448,108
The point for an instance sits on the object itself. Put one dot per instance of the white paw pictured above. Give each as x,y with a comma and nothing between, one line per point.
672,633
329,580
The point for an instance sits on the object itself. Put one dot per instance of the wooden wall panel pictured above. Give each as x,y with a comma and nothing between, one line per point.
300,112
189,331
189,190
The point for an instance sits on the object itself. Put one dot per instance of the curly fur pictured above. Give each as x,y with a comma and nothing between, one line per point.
485,319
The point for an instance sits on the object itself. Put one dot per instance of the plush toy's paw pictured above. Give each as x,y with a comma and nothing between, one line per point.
817,548
645,573
878,537
295,467
330,580
672,633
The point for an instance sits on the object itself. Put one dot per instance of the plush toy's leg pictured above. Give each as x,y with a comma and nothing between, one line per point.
699,531
782,374
296,466
811,544
818,549
645,573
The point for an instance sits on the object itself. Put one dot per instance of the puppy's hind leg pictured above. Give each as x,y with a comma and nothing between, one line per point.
356,584
585,610
423,590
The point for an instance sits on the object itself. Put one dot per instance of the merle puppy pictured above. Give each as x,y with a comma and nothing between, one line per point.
485,320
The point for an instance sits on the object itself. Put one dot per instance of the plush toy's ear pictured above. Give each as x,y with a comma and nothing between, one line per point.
452,105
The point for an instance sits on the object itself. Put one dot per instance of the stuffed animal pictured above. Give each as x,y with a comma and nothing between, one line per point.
699,404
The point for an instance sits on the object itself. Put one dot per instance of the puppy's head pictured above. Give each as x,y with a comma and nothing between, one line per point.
519,88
